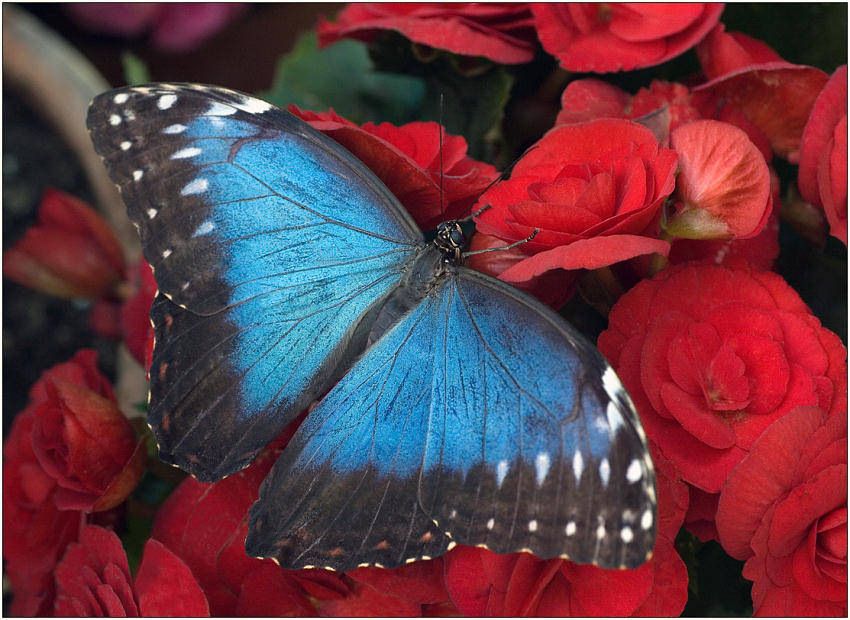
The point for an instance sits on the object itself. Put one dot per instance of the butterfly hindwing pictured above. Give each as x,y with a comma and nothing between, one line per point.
345,491
481,412
275,241
532,442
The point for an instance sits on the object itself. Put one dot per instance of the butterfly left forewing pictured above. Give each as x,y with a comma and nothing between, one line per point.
270,244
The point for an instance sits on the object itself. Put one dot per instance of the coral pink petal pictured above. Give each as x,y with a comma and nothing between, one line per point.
585,254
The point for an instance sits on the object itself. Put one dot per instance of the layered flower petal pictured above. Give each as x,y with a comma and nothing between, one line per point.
723,185
621,36
500,32
70,252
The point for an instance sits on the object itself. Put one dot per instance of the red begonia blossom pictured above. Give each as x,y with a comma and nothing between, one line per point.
501,32
35,531
784,510
723,183
135,314
70,252
774,95
621,36
589,190
42,497
205,525
720,52
93,579
822,177
415,589
408,160
483,583
712,356
589,99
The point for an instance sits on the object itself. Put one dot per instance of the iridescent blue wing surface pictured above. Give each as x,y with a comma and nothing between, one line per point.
272,247
480,418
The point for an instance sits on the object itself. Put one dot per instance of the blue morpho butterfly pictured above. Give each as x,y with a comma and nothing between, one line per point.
462,409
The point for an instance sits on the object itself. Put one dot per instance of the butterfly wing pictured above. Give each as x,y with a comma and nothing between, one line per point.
271,247
533,442
482,418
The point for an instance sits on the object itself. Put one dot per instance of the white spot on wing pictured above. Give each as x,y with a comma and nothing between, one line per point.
626,534
578,465
253,106
138,174
129,115
189,151
166,101
453,514
114,120
615,418
541,464
501,472
152,213
532,525
491,523
634,472
611,383
121,98
220,109
197,186
600,531
646,520
570,530
176,128
166,253
125,146
605,471
204,229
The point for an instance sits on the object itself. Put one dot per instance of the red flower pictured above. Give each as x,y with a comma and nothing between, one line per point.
93,579
621,36
759,251
721,52
501,32
71,252
823,154
774,95
35,532
82,440
590,190
416,589
174,27
483,583
785,508
407,160
135,314
723,185
712,356
589,99
205,525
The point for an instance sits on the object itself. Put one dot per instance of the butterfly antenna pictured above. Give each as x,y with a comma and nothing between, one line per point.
440,127
504,247
502,176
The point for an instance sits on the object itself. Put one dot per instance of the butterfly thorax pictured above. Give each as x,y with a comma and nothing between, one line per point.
426,270
450,240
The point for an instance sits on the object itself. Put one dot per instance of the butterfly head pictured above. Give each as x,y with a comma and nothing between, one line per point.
450,240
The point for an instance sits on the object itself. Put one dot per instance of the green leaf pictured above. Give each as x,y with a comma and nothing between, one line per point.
474,90
471,106
342,76
135,70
